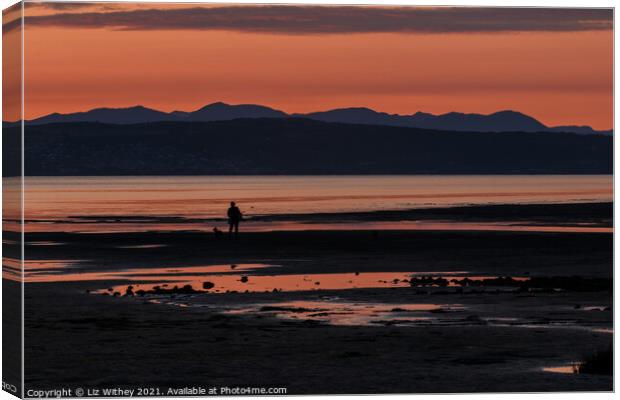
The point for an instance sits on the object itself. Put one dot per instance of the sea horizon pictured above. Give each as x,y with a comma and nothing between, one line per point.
288,202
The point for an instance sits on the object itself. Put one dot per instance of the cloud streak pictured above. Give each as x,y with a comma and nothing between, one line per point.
58,6
319,20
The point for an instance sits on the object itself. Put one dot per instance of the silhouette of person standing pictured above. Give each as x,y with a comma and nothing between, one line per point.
234,217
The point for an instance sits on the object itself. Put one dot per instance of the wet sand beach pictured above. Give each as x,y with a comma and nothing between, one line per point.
344,335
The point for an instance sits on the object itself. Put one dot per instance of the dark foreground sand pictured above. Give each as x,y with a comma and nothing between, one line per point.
75,339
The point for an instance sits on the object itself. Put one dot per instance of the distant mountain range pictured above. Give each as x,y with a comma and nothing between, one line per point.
294,146
502,121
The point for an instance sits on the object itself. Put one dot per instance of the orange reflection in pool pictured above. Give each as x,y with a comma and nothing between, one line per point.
349,313
564,369
42,271
147,282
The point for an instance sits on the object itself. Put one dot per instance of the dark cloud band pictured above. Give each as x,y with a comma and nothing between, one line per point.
304,20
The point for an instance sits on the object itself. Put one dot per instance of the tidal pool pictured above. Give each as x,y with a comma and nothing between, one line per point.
351,313
563,369
241,279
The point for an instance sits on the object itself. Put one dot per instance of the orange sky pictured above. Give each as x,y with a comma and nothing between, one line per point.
559,78
11,67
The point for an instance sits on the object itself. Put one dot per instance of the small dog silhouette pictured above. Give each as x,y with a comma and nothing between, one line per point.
218,233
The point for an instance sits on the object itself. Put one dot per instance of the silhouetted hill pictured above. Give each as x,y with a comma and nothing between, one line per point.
502,121
221,112
131,115
583,130
499,122
298,146
139,114
356,115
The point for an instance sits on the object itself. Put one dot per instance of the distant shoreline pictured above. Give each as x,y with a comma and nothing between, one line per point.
587,216
317,174
314,175
491,212
297,147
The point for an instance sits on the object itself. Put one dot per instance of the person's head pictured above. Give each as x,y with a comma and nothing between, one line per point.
232,203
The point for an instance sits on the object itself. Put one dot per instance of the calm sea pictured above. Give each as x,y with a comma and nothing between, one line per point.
49,199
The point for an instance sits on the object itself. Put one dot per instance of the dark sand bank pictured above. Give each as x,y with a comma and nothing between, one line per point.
574,214
74,338
537,253
594,213
103,341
